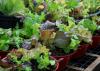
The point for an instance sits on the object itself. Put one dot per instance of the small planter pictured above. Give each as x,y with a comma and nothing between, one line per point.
9,21
96,41
80,52
11,65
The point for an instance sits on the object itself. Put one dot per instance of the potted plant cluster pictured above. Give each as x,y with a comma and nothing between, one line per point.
44,35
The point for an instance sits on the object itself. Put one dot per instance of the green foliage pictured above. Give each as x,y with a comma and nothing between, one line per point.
73,44
82,33
98,28
91,25
89,6
72,3
34,18
4,42
64,28
43,59
31,6
12,7
16,39
4,39
30,29
8,37
92,5
57,10
40,54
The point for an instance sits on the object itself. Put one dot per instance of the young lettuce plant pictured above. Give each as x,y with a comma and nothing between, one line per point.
16,39
72,3
82,33
5,39
34,18
67,28
73,45
89,6
57,10
91,25
30,29
12,7
24,57
4,42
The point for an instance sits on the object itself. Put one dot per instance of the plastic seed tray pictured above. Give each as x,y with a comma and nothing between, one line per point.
89,62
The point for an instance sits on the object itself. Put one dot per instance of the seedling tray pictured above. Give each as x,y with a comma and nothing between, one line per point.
95,50
83,62
89,62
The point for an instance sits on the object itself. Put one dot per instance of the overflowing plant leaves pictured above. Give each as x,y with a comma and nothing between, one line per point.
12,7
4,42
40,54
5,39
83,33
72,3
91,25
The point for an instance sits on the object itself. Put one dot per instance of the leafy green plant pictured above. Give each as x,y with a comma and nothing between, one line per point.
82,33
43,60
57,10
91,25
12,7
16,39
34,18
92,5
72,3
29,4
40,54
89,6
5,39
30,29
73,44
67,28
4,42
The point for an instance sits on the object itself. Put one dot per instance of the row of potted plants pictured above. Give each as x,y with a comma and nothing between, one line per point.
44,35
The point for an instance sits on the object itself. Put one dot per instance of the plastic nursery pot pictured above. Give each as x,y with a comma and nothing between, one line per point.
64,60
9,22
3,54
96,41
79,52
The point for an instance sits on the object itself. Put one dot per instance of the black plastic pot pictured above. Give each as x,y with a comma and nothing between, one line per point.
9,21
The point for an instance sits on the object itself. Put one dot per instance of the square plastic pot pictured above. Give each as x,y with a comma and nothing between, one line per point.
96,41
9,22
79,52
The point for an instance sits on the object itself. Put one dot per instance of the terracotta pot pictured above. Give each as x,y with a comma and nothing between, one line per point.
96,41
79,52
